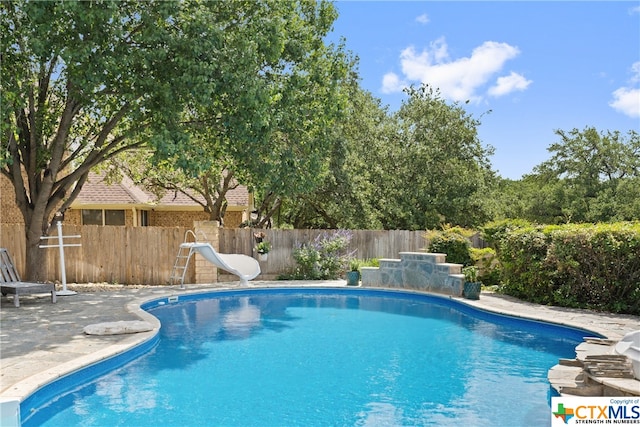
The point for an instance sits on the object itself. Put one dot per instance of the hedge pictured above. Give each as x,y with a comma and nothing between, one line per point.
595,266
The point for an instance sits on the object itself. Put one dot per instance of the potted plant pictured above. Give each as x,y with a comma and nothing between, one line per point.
353,275
263,247
472,285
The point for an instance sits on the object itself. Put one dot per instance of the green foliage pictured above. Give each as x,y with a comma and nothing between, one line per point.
263,247
344,195
522,255
371,262
489,268
451,242
416,169
495,231
470,274
325,258
356,263
206,86
251,129
454,242
591,177
441,166
588,266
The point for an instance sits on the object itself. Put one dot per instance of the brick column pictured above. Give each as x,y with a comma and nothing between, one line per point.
205,271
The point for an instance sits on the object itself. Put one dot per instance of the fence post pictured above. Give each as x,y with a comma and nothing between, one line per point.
207,231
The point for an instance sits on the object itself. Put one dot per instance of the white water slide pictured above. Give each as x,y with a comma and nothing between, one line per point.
243,266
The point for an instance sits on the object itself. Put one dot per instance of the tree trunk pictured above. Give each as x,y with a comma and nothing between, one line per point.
35,270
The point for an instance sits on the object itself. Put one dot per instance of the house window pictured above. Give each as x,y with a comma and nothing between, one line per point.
144,219
92,217
102,217
113,217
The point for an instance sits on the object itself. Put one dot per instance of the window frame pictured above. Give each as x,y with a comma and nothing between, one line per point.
104,216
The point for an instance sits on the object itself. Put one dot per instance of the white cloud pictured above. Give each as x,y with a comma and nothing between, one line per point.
391,83
508,84
634,10
460,79
635,69
423,19
627,99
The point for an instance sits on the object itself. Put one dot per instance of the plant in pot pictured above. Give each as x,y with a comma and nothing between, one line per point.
263,247
353,275
472,285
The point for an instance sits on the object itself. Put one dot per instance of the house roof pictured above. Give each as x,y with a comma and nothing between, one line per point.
98,192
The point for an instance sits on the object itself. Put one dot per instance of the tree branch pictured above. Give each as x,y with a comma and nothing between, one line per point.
111,124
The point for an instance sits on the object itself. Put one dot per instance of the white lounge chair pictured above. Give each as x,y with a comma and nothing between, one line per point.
10,282
243,266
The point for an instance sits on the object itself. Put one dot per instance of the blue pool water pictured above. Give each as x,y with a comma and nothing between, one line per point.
311,357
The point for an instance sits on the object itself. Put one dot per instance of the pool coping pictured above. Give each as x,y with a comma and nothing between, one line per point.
610,326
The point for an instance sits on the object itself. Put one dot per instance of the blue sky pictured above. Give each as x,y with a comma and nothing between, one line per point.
538,66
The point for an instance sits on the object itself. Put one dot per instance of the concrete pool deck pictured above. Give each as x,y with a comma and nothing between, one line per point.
41,341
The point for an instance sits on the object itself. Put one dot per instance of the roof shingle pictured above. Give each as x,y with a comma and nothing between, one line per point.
97,191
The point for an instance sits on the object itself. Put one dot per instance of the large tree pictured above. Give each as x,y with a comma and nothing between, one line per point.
419,168
274,136
343,197
591,176
439,170
85,81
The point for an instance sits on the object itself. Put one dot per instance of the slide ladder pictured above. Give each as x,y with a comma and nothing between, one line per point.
182,260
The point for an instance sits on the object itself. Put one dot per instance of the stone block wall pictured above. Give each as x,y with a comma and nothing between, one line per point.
417,271
205,271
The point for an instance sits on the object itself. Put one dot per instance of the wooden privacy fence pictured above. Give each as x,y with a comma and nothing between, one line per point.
145,255
112,254
365,243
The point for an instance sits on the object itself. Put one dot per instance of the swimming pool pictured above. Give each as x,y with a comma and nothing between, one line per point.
268,357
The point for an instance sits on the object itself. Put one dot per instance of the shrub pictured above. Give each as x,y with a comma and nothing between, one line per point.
325,258
588,266
494,232
524,271
488,265
452,242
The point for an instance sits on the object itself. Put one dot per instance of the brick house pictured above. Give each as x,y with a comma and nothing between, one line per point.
124,203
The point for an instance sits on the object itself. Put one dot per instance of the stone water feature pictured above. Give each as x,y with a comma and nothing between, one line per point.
416,271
